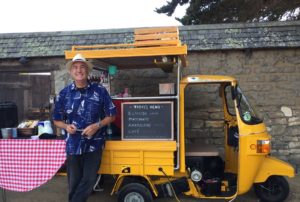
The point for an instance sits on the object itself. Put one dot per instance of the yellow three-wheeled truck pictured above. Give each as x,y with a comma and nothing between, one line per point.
152,157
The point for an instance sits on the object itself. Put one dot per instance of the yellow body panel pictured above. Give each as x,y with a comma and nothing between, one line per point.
129,52
138,157
249,160
195,191
272,166
182,131
248,164
192,79
253,166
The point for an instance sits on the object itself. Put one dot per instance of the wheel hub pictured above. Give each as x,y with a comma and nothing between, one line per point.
134,197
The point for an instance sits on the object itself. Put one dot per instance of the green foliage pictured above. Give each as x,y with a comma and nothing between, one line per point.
228,11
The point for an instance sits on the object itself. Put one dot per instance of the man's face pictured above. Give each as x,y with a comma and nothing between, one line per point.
79,71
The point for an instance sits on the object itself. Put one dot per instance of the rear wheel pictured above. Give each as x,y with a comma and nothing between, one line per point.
135,192
274,189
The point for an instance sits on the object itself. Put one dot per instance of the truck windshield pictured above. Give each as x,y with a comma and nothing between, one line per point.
247,112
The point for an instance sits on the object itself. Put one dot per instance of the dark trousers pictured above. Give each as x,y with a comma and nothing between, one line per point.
82,174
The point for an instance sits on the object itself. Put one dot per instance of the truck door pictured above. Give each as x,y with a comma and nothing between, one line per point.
231,129
254,141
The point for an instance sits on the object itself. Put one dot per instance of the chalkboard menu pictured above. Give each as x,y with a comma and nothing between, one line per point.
147,120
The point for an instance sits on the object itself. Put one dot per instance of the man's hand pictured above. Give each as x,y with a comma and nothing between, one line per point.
71,129
90,130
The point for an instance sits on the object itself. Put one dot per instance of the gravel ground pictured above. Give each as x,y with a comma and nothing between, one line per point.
56,191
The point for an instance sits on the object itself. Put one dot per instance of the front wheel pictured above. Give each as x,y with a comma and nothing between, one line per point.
135,192
274,189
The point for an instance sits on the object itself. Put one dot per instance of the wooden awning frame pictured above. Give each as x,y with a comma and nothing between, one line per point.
148,42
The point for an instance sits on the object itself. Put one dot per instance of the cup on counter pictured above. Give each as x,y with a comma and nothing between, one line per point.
14,132
6,133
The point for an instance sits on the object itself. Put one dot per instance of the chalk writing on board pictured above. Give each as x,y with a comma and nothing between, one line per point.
147,120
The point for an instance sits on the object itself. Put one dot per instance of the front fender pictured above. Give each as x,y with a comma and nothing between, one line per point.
120,179
273,166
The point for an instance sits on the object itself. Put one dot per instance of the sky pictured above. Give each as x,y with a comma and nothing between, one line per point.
68,15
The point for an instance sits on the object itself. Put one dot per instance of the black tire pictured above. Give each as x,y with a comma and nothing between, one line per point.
274,189
135,192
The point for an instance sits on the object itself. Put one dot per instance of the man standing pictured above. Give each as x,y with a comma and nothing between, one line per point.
82,109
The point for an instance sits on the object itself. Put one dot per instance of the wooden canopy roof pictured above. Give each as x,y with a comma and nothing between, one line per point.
152,47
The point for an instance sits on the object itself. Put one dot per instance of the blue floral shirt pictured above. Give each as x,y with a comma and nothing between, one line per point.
83,107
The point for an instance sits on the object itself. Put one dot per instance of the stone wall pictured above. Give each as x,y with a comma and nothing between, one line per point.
204,116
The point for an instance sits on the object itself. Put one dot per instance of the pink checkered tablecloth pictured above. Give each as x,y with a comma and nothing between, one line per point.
26,164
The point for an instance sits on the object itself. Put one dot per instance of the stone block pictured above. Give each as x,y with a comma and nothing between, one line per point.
255,77
294,121
253,86
216,115
270,109
281,121
288,138
197,133
216,132
218,141
284,152
296,112
187,123
295,151
214,109
294,145
267,68
287,111
285,68
295,158
280,145
214,124
196,123
268,122
277,129
274,77
293,131
286,86
277,114
274,152
198,114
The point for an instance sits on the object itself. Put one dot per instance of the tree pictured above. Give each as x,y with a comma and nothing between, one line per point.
228,11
